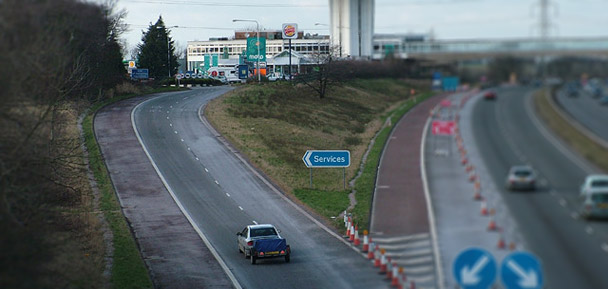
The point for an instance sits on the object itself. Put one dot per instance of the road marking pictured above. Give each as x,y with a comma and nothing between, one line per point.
182,140
177,102
206,170
171,106
216,182
197,159
255,222
562,202
241,208
167,117
171,125
188,148
605,247
574,215
383,187
589,230
227,194
167,111
175,132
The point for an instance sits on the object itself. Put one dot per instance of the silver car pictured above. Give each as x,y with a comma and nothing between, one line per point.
595,203
246,237
521,178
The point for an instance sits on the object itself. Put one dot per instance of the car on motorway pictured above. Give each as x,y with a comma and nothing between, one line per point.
572,89
262,241
489,95
593,182
521,178
595,203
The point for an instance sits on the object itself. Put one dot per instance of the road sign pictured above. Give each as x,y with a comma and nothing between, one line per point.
290,31
442,127
474,268
521,270
243,71
179,76
139,73
326,159
252,49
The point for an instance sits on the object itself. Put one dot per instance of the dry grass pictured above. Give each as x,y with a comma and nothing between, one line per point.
581,143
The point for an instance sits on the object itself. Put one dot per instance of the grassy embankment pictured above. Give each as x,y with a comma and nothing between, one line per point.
577,140
274,124
128,270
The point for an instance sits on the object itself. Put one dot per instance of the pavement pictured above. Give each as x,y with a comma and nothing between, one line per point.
170,247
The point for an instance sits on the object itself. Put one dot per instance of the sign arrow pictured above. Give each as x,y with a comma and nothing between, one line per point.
528,279
471,276
306,158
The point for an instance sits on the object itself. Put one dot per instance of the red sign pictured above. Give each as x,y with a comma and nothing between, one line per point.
446,103
442,127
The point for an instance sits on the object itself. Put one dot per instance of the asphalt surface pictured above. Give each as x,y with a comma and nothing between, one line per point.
573,252
587,111
222,195
173,252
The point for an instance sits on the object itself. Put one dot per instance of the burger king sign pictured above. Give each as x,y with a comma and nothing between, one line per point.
290,31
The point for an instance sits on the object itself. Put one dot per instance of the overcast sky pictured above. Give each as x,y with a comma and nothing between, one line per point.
448,19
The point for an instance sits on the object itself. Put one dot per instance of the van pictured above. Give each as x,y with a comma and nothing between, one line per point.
229,72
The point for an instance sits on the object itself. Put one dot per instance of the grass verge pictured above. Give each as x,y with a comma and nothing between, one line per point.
581,143
274,124
128,270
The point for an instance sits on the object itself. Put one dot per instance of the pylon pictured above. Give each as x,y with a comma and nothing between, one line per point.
351,237
357,240
512,246
501,241
398,280
472,177
370,253
348,227
412,285
492,225
382,261
377,261
395,277
477,195
464,160
365,242
484,208
469,168
389,269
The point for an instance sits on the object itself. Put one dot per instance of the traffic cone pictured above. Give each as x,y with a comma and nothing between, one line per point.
365,242
389,268
348,228
464,160
370,253
484,208
501,241
351,237
377,261
512,246
395,276
357,240
477,195
472,177
397,279
492,225
412,285
469,168
382,261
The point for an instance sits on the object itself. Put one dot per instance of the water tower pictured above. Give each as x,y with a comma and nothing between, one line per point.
352,27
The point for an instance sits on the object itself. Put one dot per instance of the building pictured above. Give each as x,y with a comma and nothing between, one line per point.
229,51
352,27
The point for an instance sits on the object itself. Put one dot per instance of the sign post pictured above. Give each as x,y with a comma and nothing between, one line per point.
327,159
290,31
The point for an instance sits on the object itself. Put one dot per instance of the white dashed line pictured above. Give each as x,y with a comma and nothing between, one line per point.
605,247
206,170
562,202
255,222
216,182
171,106
241,208
167,117
574,215
227,194
189,148
175,132
197,159
589,230
171,125
182,140
167,111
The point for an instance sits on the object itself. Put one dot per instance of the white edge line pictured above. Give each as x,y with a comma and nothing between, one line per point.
440,278
181,207
274,189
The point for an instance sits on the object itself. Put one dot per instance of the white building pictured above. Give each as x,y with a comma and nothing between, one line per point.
352,27
233,48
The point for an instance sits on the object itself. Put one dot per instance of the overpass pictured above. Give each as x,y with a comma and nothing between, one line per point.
406,46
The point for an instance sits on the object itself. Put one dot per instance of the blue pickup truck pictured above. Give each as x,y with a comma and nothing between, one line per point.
262,241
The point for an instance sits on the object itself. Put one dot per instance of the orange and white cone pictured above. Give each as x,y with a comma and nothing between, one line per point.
351,237
492,225
473,176
348,227
365,242
389,269
395,279
370,253
377,255
464,160
382,261
357,240
484,208
512,246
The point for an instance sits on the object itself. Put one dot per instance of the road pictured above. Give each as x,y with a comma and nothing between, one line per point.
574,252
221,195
587,111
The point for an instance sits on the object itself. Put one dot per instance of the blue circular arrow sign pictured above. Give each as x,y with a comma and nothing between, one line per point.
474,268
521,270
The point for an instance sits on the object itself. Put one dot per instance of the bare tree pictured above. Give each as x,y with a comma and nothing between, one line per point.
323,74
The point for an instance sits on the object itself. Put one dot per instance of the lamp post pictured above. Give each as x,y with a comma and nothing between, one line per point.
258,43
169,50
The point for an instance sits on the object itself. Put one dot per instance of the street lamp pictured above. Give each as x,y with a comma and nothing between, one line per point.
169,50
258,42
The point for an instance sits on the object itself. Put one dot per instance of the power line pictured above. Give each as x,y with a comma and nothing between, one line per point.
224,4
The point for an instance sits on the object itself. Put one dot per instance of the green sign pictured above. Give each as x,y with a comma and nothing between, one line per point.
214,60
252,49
207,62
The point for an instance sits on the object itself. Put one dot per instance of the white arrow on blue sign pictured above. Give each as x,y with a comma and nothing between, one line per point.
521,270
474,268
326,159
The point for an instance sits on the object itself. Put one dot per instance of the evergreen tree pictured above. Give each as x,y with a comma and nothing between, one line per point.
157,51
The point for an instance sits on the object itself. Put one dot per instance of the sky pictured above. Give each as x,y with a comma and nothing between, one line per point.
446,19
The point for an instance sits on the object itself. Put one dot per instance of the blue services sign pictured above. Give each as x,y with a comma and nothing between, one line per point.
243,71
474,268
521,270
139,73
326,159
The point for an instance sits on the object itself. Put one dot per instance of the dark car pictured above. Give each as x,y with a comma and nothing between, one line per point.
489,95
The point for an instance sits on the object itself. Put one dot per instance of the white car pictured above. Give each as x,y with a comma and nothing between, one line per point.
594,182
251,233
275,76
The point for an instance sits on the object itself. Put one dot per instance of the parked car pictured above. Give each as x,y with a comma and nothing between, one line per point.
262,241
521,178
595,203
275,76
489,95
594,182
